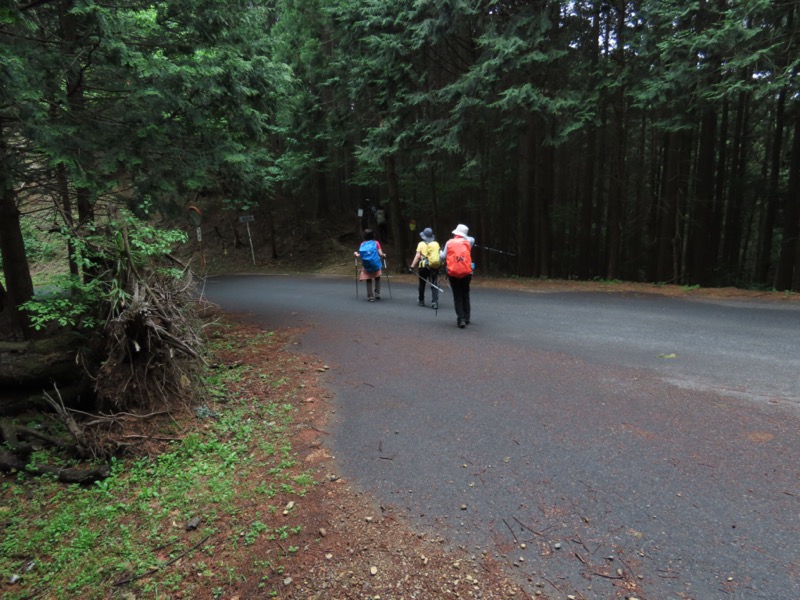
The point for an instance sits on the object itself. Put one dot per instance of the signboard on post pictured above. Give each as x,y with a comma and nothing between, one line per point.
247,219
196,218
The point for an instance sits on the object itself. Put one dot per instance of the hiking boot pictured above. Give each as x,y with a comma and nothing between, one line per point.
370,299
461,324
434,305
421,303
377,296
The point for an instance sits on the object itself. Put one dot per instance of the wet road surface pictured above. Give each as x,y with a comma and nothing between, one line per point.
601,445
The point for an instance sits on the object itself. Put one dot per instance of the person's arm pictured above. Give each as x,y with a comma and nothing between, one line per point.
414,262
380,250
443,252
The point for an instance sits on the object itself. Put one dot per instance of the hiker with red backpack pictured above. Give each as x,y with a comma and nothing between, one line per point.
371,255
457,257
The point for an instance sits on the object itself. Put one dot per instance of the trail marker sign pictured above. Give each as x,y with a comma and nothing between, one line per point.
247,219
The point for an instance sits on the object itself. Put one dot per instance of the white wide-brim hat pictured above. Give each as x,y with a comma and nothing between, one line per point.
461,230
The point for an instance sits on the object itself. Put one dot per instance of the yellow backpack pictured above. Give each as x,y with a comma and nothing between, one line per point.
430,257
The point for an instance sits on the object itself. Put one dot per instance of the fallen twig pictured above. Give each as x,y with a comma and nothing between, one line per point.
66,418
164,566
514,535
151,437
539,533
607,576
578,540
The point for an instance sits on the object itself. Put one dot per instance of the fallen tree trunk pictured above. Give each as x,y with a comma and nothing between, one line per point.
17,459
10,463
39,361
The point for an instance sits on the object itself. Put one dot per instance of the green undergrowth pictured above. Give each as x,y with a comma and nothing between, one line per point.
164,525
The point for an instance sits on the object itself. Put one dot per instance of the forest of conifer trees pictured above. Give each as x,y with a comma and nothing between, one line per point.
644,140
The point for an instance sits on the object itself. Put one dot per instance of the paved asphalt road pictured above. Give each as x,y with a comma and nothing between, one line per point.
608,433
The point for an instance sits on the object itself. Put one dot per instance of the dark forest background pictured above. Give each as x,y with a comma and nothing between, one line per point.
643,140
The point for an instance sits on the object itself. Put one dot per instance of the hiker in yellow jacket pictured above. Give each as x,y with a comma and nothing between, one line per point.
427,257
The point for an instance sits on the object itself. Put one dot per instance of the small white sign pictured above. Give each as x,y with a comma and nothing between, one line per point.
360,212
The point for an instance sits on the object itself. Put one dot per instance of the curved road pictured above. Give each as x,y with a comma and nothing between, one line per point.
603,445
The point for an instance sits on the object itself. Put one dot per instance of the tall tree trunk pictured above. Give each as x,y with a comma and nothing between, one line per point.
668,233
703,212
542,196
321,184
789,263
76,100
732,236
638,249
434,201
66,210
483,214
587,188
702,253
15,261
721,182
616,192
766,233
527,218
587,184
395,215
601,193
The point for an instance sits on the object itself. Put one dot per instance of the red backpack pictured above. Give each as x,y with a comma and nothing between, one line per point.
459,258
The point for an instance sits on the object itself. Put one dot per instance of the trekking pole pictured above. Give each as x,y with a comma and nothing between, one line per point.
446,281
436,276
428,281
435,310
494,250
388,279
355,259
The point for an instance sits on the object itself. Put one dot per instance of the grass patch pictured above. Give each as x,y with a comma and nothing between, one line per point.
163,525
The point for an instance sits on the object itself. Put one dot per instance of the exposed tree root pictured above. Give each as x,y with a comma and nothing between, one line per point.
146,364
154,348
10,462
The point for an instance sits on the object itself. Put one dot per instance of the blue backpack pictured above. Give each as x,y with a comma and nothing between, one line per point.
369,256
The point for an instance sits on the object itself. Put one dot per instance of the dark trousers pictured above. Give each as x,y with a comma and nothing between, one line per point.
428,276
460,287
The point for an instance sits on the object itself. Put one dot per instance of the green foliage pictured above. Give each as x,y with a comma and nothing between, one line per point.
274,102
239,205
76,540
72,304
155,102
116,246
39,246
